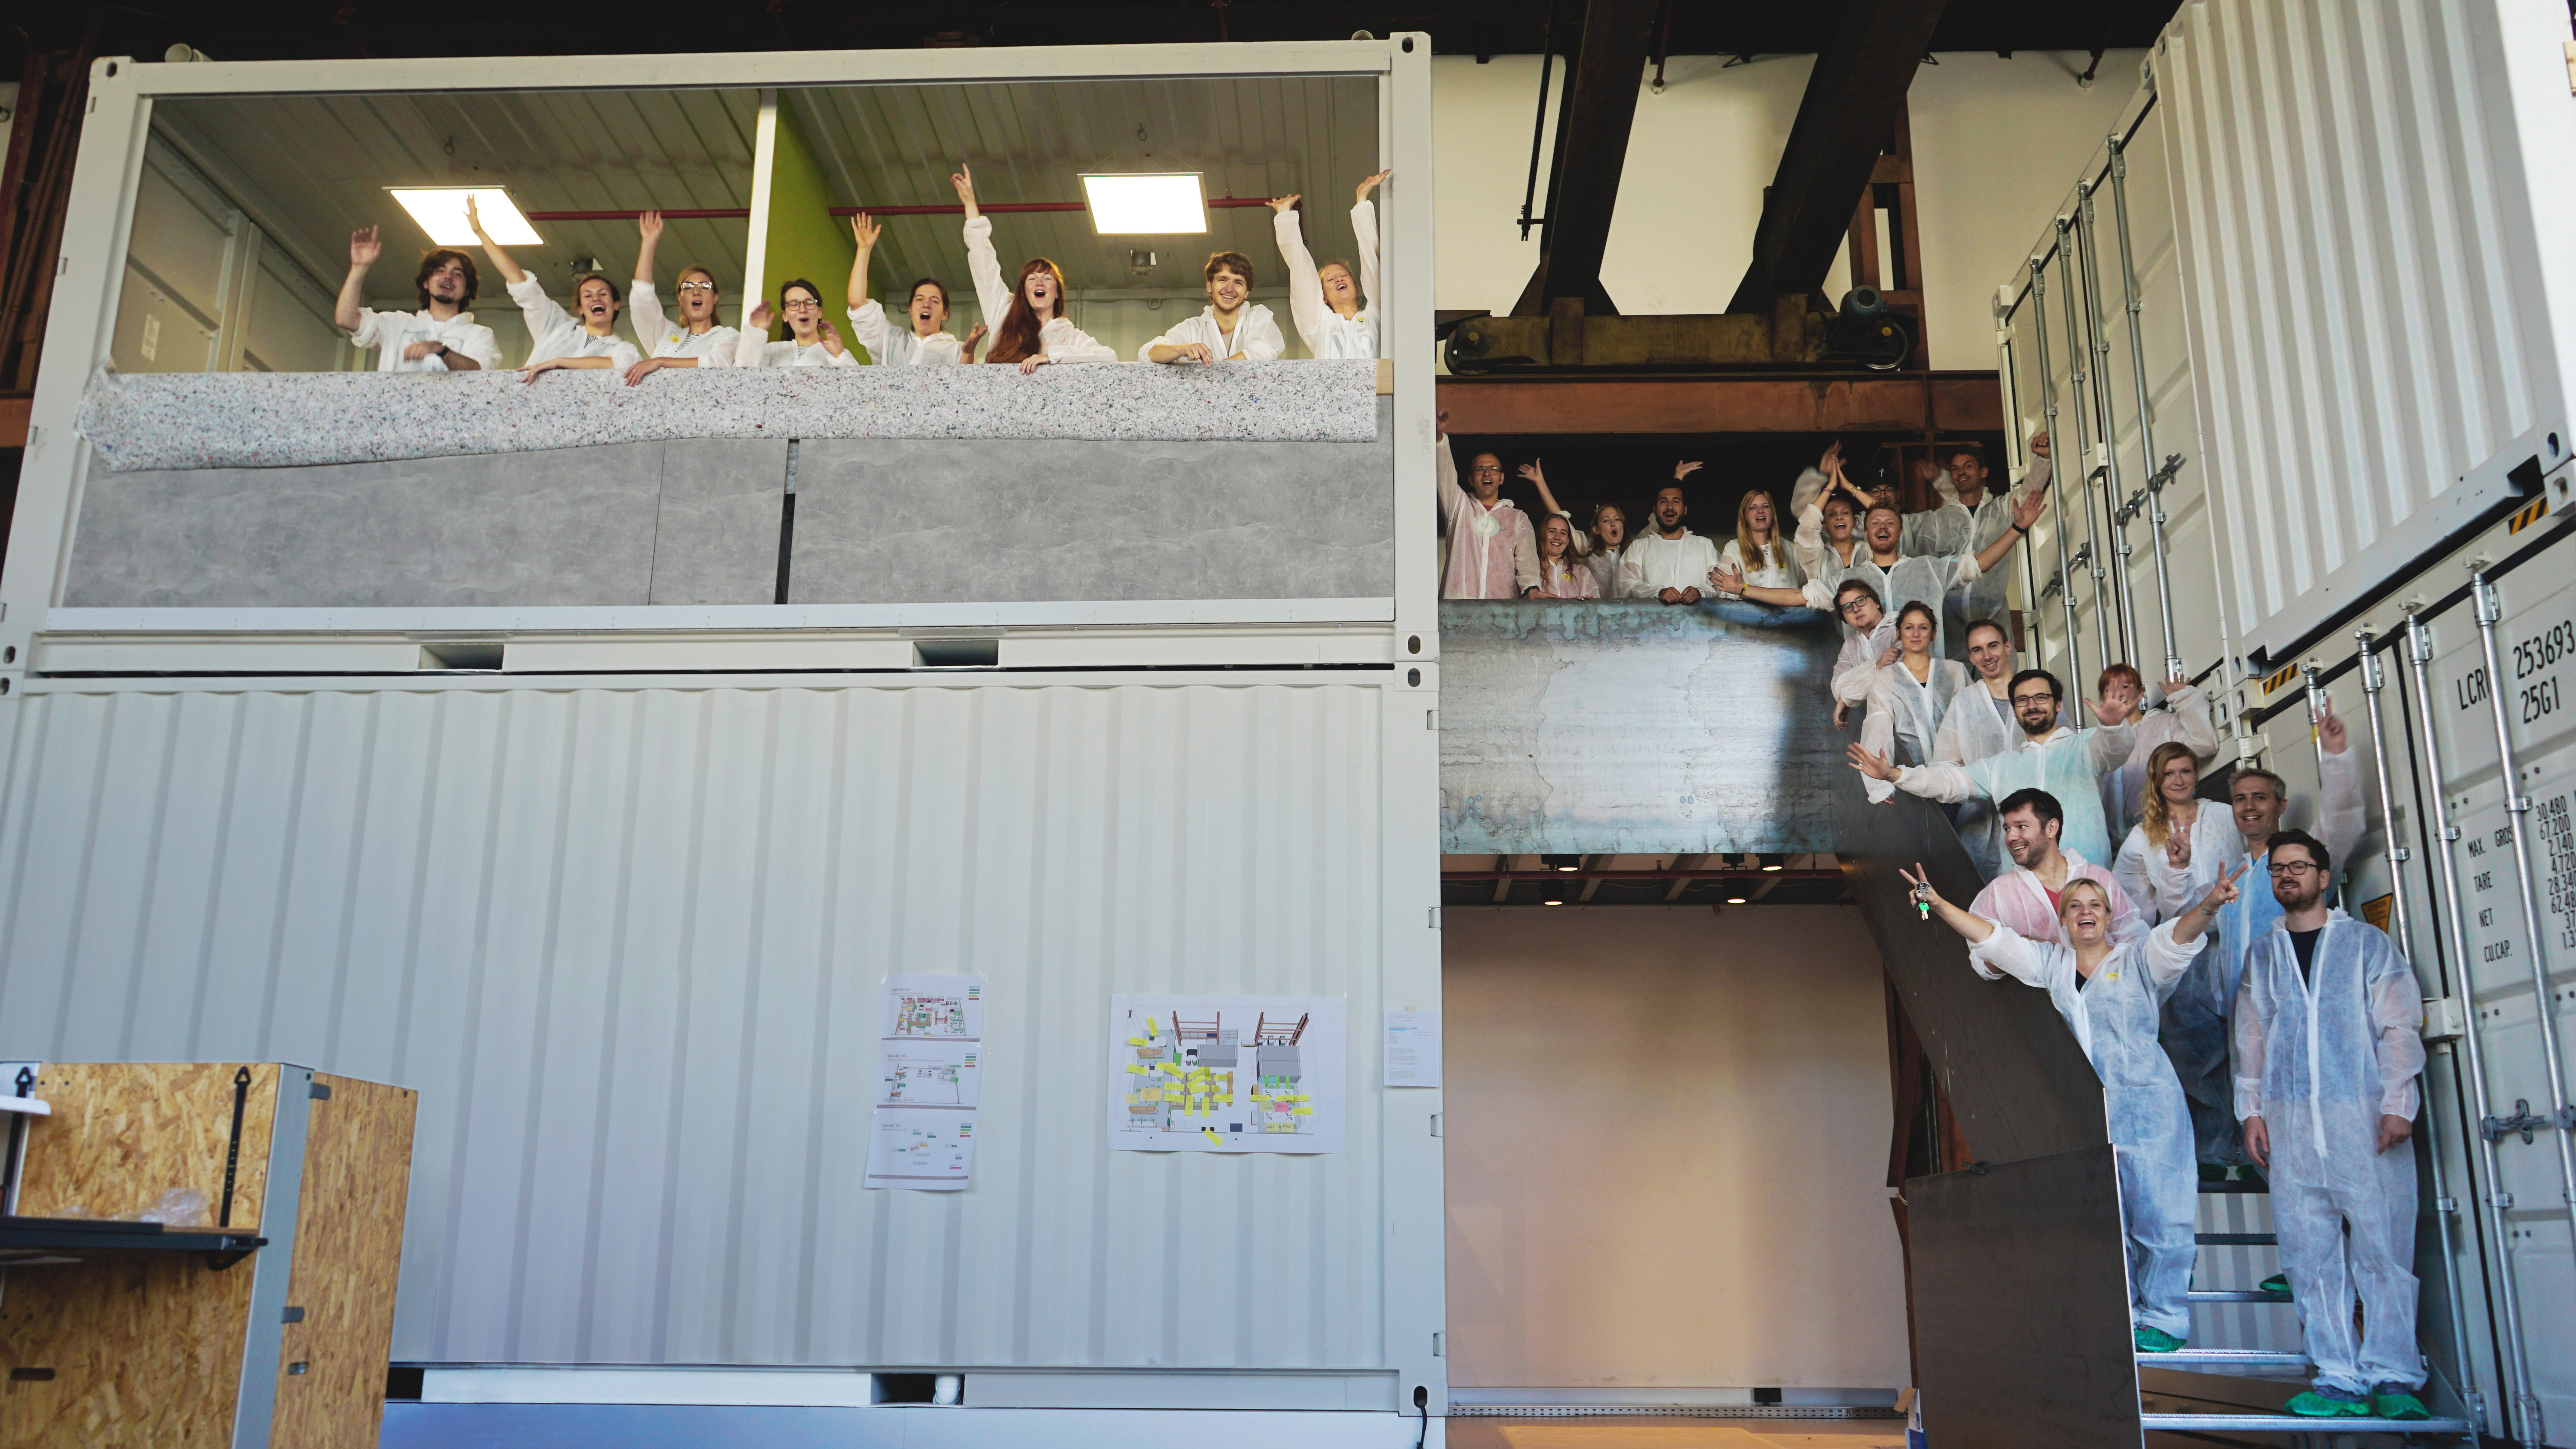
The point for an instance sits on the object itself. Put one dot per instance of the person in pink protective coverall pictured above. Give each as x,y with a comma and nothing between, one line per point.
1492,550
2027,897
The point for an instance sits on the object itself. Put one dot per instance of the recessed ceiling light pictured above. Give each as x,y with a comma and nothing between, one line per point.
440,210
1154,205
1551,903
1735,900
1774,862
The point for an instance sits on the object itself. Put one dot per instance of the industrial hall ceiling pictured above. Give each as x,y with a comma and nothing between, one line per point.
336,29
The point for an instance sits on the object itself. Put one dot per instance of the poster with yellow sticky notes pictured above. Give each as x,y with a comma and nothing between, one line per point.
1227,1073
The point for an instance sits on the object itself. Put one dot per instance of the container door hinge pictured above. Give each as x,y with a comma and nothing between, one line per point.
1439,1345
1435,1124
1435,918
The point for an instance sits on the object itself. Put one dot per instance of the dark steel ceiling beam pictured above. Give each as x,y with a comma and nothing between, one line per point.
1591,147
1843,121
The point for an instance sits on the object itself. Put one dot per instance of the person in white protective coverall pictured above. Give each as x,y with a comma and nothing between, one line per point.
441,337
2029,896
1230,328
2196,1015
2108,991
556,338
1335,310
2182,713
924,339
1909,695
810,341
2329,1042
1030,329
1869,646
1491,549
695,340
2066,763
1980,723
1970,515
1668,562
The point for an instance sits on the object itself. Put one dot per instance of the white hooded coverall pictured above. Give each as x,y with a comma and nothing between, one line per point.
2321,1057
2114,1016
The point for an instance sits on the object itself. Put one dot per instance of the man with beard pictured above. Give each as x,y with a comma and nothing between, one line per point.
1231,328
1971,515
2068,764
2030,896
556,339
2328,1044
441,337
1668,561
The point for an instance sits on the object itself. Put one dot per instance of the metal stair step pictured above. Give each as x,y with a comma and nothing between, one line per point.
2300,1424
2234,1240
2191,1358
2237,1295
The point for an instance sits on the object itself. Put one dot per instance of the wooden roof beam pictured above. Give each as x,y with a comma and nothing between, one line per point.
1843,120
1583,183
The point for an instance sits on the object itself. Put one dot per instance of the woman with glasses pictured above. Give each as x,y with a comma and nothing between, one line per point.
1033,330
924,338
695,339
1869,647
810,341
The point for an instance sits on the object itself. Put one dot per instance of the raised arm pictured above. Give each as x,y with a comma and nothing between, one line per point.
364,249
511,272
644,305
992,294
1305,289
1948,784
2339,818
1535,474
2025,513
865,232
2190,709
1444,473
1364,229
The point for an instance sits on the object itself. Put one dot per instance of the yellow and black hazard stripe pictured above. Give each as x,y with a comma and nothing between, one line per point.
2529,514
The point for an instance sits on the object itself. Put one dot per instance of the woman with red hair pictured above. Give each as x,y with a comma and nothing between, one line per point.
1032,329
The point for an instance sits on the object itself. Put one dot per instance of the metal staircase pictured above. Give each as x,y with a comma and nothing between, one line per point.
2045,1307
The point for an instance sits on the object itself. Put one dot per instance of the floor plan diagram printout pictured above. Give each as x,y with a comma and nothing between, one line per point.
929,1072
1226,1073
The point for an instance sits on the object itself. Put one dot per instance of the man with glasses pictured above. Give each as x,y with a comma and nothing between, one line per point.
2328,1046
1492,553
441,337
2196,1015
2066,763
1870,648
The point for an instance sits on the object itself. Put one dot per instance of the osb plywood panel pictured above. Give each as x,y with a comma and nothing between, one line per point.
145,1353
125,1135
348,1249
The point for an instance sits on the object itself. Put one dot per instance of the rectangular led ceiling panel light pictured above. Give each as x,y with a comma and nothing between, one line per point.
1146,205
440,210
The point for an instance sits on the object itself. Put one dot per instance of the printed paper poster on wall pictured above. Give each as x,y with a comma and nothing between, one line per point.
1226,1073
930,1069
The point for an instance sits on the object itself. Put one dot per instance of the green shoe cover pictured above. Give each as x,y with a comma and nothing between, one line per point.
2314,1405
2277,1283
2156,1340
2399,1405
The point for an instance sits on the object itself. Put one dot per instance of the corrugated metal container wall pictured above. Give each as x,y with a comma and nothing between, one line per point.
2370,320
627,943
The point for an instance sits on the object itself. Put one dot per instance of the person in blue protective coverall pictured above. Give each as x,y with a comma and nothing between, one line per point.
2163,881
2068,764
2110,992
2329,1042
